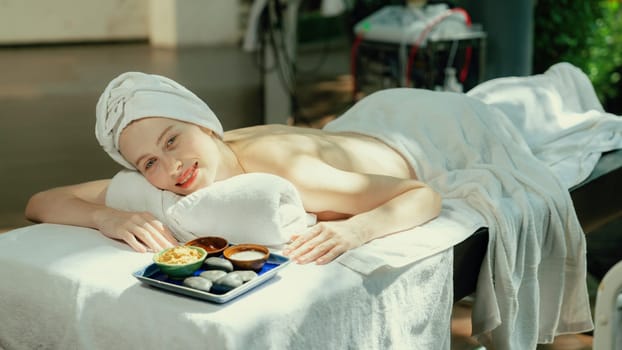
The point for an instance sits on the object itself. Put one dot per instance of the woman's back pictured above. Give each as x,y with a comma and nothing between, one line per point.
262,148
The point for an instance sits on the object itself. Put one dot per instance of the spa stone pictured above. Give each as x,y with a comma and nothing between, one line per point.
245,275
215,263
198,283
226,283
213,275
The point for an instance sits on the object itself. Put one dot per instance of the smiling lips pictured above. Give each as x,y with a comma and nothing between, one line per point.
187,177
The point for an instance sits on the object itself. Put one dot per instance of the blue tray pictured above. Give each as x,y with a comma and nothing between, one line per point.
152,276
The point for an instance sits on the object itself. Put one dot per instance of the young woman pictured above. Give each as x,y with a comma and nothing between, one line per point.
359,187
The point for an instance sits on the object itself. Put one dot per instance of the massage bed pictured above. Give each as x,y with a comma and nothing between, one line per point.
594,200
68,287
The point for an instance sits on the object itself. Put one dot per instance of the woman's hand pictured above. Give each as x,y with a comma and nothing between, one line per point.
141,231
85,205
323,242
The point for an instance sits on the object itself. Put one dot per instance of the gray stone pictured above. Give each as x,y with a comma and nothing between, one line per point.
213,275
198,283
245,275
215,263
228,282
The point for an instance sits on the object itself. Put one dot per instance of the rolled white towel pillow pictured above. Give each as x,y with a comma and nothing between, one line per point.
250,208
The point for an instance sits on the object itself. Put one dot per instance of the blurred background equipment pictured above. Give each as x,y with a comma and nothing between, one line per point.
431,46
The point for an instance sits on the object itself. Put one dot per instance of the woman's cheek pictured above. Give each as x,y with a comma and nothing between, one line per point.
156,180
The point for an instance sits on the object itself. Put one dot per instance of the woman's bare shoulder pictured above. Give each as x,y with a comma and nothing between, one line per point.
277,148
271,137
272,148
268,131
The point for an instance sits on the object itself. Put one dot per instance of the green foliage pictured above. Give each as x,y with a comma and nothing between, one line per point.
585,33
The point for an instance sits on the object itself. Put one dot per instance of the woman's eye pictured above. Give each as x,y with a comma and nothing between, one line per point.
171,141
149,164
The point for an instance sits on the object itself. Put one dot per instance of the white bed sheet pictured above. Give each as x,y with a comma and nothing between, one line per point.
65,287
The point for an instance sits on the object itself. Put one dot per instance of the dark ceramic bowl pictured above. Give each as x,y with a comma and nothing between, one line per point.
213,245
175,270
247,256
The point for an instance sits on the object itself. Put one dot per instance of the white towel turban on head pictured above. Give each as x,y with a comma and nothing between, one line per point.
135,95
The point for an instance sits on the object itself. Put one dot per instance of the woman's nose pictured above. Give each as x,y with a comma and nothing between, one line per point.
173,166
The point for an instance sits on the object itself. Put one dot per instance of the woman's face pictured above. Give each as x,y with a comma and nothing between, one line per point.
172,155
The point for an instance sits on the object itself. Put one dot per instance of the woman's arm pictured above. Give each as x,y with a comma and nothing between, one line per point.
84,205
379,205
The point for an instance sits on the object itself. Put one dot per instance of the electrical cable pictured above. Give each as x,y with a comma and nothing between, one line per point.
320,62
283,63
288,85
465,68
258,60
452,54
258,57
292,62
284,73
353,54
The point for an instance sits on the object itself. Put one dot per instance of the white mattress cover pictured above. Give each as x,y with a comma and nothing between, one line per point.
67,287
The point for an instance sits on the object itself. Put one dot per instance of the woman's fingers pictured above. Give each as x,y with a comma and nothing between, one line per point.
321,244
330,255
153,233
168,235
160,235
143,232
299,240
148,236
165,237
315,251
131,240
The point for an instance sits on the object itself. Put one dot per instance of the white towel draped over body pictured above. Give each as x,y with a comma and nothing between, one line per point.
477,158
559,116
